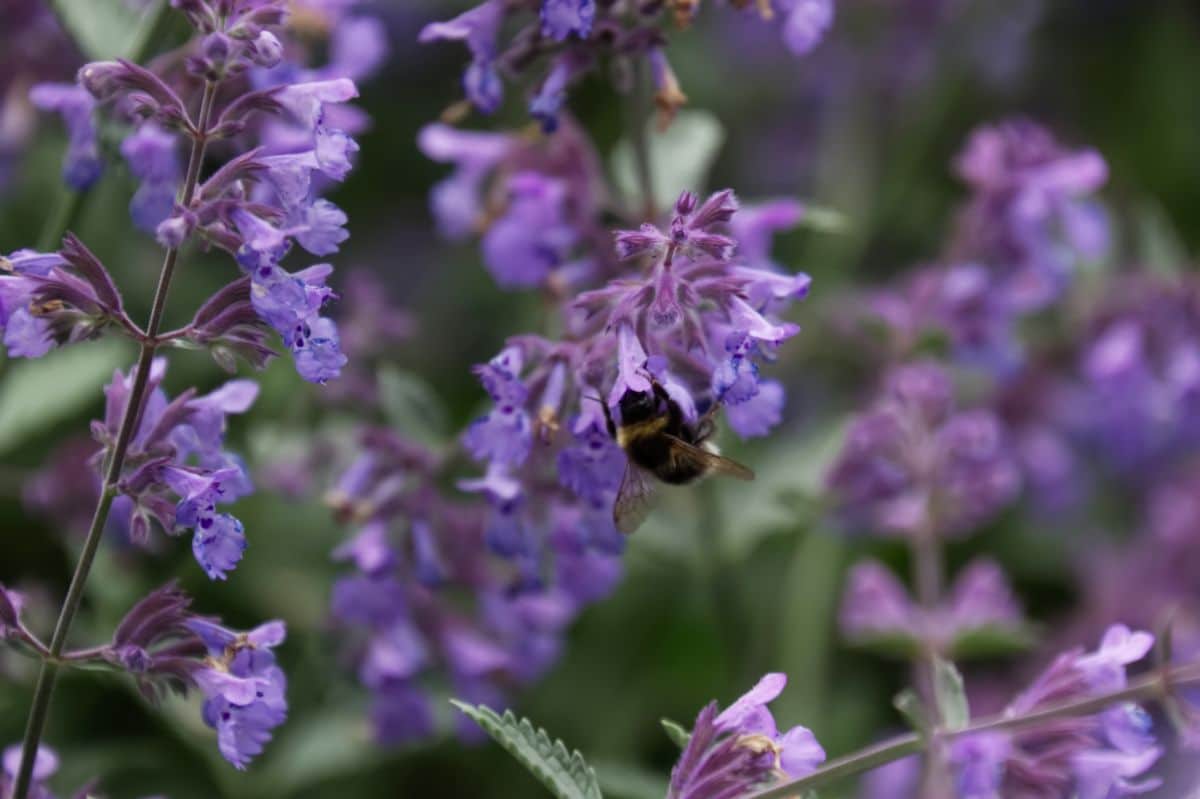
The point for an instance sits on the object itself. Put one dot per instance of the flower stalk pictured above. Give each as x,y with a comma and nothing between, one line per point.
1156,685
48,675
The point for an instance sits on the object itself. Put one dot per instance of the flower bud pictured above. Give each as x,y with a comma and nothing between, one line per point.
265,50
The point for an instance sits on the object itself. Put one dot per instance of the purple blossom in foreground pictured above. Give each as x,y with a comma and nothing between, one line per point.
245,691
153,157
1093,757
912,465
740,750
177,472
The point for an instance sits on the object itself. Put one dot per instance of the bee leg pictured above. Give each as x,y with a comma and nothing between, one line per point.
608,421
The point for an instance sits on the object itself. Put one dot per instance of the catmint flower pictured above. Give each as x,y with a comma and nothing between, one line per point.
1137,406
45,765
177,471
457,201
154,644
1031,216
805,23
532,238
50,299
82,164
564,18
696,298
877,610
739,750
1098,756
153,157
478,29
912,465
245,691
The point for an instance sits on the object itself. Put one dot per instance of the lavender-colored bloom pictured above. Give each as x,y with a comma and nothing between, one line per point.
531,239
740,750
805,23
153,157
457,201
912,466
478,29
504,436
45,765
1098,756
1030,217
82,164
564,18
245,692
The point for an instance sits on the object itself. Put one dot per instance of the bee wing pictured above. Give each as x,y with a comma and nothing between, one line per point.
719,464
635,498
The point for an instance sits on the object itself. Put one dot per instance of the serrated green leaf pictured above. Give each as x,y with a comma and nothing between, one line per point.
676,732
909,704
680,157
991,641
412,406
36,394
565,774
103,29
951,696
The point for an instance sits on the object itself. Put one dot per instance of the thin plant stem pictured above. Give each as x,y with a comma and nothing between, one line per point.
1156,685
40,708
927,577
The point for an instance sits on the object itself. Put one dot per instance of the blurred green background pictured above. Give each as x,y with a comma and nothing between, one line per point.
714,595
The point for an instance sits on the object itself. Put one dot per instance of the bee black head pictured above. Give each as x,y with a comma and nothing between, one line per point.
637,406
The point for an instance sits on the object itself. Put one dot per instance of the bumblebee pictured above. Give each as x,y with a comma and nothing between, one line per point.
660,444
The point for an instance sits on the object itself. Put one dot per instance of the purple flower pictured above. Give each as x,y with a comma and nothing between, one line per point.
1097,757
478,29
1030,218
740,750
82,164
45,765
805,23
911,465
245,692
531,239
562,18
457,201
153,158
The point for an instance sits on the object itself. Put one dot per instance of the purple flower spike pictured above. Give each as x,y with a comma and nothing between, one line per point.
82,164
564,18
478,28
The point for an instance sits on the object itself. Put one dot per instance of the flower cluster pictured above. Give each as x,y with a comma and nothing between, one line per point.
1097,756
570,37
176,468
739,750
254,207
428,597
45,766
914,466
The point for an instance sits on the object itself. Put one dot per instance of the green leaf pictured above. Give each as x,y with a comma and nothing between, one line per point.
676,732
103,29
913,709
951,696
680,157
897,645
565,774
36,394
823,219
328,745
412,406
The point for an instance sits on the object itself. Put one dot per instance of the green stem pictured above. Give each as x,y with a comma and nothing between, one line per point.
40,708
1152,686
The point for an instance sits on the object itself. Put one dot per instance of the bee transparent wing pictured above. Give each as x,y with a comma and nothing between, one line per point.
634,499
719,464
